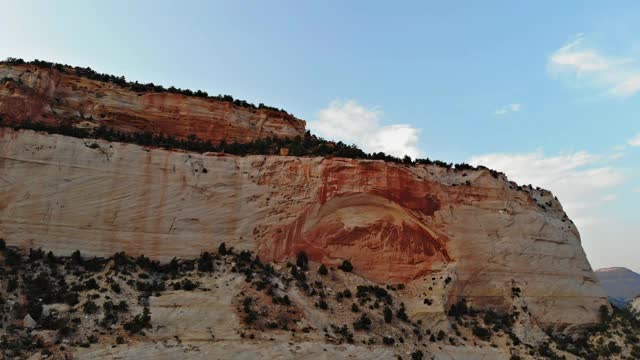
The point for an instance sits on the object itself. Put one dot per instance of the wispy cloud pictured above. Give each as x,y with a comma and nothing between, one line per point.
635,141
353,123
511,108
618,76
617,155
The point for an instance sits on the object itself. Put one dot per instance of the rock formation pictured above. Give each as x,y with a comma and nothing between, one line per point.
620,284
395,223
46,94
635,306
441,239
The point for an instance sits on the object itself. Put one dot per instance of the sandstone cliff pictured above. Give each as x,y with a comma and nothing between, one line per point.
32,93
446,234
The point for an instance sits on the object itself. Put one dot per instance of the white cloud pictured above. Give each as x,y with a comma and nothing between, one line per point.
574,178
618,76
508,109
352,123
635,141
637,190
617,155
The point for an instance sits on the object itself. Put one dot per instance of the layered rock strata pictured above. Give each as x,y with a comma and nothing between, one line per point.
481,235
31,93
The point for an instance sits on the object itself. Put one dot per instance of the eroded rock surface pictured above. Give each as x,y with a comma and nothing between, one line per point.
468,234
635,306
48,95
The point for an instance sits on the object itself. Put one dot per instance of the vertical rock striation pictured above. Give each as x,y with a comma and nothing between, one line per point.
395,223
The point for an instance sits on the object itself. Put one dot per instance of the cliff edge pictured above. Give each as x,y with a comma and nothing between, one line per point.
61,96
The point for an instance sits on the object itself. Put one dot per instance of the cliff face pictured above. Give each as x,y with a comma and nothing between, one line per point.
395,223
48,95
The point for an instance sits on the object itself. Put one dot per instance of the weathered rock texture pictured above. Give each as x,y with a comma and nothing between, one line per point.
635,306
43,94
395,223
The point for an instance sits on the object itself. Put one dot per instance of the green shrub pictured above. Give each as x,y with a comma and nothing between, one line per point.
188,285
12,284
459,309
388,314
116,287
482,333
89,307
302,261
139,322
346,266
363,323
381,294
76,257
222,249
323,270
401,314
91,284
603,311
205,262
34,308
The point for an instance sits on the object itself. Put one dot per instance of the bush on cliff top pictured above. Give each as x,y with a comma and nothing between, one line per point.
91,74
308,145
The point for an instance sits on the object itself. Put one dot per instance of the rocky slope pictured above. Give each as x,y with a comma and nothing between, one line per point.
32,93
214,307
620,284
447,234
635,306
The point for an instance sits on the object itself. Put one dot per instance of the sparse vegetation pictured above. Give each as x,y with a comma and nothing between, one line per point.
302,261
322,270
139,322
363,323
90,284
307,145
481,333
346,266
93,289
205,262
89,73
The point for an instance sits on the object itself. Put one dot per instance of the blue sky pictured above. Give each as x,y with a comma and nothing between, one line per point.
546,91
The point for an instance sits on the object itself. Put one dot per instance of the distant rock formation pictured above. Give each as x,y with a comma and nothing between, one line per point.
621,284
